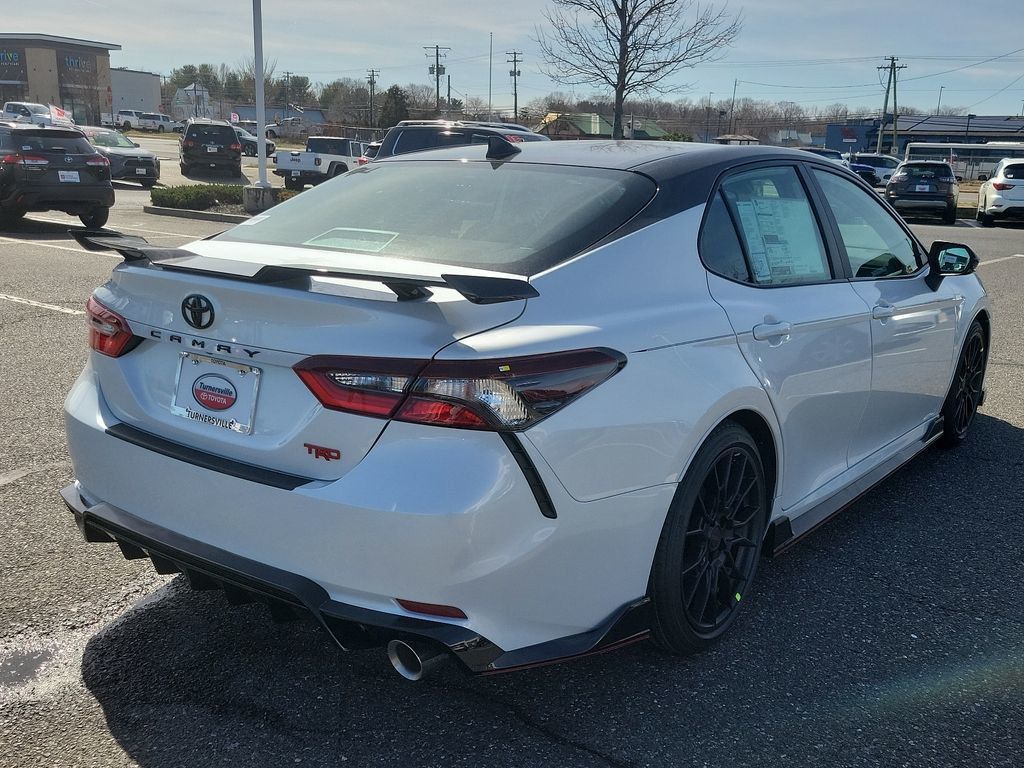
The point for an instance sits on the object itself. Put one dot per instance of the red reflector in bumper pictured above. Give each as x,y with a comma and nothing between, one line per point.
448,611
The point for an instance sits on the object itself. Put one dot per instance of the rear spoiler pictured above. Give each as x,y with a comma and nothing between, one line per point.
478,289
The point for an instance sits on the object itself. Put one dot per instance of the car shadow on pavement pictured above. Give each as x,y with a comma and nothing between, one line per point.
201,176
884,638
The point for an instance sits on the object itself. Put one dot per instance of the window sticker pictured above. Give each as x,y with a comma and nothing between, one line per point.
782,239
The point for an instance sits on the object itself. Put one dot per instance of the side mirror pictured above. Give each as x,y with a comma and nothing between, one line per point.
959,179
945,259
136,143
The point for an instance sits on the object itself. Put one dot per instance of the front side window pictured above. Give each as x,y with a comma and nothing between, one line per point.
876,245
777,226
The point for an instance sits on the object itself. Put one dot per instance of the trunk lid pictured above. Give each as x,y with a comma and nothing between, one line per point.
179,379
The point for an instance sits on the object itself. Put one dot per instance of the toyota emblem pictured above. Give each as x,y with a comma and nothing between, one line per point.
197,310
69,159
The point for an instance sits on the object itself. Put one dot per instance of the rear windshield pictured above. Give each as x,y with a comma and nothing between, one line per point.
110,139
212,133
328,146
927,171
416,140
65,142
1014,171
511,217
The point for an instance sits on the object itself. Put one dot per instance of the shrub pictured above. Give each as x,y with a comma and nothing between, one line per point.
197,197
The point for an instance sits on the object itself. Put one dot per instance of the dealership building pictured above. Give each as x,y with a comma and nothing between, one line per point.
65,71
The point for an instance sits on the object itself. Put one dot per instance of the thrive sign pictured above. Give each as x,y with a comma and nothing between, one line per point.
12,64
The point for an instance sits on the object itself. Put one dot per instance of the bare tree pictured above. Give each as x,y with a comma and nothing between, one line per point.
631,46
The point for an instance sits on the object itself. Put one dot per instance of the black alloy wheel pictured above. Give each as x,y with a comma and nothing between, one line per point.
95,218
250,150
711,543
964,396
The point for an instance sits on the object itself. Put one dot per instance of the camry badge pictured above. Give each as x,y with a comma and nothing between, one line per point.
197,310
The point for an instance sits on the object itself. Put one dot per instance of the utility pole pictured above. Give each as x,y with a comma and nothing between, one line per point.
732,108
707,121
436,70
891,84
371,78
287,87
939,105
515,73
448,103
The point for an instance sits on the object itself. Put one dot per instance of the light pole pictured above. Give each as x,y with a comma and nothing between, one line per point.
939,105
967,132
261,113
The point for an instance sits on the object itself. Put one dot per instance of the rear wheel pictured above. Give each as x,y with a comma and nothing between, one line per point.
126,126
250,151
964,395
95,218
293,184
185,168
10,218
949,217
709,547
159,129
985,219
148,184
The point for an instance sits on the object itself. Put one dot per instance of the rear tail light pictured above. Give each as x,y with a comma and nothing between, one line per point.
109,333
948,179
98,160
898,177
236,147
188,144
1000,186
431,609
19,159
509,394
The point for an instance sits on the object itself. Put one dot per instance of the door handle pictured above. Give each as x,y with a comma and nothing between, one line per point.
772,331
883,311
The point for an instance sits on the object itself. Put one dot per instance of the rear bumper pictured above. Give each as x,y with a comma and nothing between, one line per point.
306,177
77,198
437,516
1003,210
132,174
351,627
928,204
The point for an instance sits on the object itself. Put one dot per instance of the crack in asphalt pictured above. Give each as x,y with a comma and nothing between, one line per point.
520,715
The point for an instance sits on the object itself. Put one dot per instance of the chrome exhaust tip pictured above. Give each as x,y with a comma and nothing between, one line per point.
413,660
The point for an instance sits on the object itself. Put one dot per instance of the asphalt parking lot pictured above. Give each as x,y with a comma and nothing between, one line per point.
894,636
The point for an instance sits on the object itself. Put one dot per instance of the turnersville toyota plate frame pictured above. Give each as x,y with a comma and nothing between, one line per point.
243,380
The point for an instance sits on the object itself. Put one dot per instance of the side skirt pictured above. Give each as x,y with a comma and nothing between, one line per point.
784,532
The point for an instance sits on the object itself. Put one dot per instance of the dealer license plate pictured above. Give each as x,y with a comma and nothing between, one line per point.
212,149
71,176
140,171
295,173
220,393
923,188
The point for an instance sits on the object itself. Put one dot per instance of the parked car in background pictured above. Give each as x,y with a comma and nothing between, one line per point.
369,152
509,403
866,172
27,111
924,186
48,168
884,165
210,144
828,154
419,135
1001,195
289,128
128,161
154,121
323,158
127,119
250,143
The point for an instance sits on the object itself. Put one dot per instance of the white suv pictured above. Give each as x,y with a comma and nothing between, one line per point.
153,121
128,118
544,400
1001,195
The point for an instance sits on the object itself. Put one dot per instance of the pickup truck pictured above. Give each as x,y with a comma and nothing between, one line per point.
289,128
323,158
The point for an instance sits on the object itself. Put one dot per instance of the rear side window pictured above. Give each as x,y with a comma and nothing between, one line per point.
777,226
518,218
719,244
328,146
1014,171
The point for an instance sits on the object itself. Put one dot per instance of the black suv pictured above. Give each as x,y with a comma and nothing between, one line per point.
43,168
924,186
416,136
210,144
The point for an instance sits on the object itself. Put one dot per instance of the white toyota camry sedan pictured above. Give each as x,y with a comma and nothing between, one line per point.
507,404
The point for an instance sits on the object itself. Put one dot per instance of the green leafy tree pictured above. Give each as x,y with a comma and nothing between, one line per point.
394,107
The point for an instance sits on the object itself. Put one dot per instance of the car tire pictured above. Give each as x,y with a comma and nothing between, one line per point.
96,218
185,169
961,404
159,129
126,126
236,170
710,544
250,151
148,184
10,218
949,217
271,135
985,218
293,184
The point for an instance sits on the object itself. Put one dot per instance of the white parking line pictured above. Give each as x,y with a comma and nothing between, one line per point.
6,478
41,305
1002,258
48,245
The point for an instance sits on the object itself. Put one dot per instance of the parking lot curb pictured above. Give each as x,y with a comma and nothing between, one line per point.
180,213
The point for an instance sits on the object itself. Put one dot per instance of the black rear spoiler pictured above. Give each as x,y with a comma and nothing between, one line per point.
479,289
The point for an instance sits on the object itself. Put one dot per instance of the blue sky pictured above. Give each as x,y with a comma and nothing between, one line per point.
811,52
